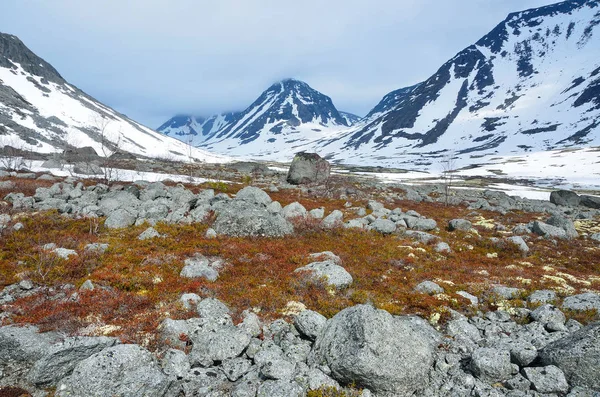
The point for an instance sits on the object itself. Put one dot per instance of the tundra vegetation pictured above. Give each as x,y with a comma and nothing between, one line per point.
408,251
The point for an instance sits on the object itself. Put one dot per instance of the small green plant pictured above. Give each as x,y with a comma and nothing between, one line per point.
247,180
217,186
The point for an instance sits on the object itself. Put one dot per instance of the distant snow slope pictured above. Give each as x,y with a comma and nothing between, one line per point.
195,129
41,112
531,84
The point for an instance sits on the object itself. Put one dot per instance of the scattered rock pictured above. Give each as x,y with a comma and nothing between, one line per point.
119,219
564,223
148,234
64,253
429,288
240,219
590,201
442,248
87,286
520,243
459,224
190,301
294,210
472,298
383,226
211,233
201,267
334,219
253,195
334,275
548,231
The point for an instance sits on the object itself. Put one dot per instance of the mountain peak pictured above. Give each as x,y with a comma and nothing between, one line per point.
13,51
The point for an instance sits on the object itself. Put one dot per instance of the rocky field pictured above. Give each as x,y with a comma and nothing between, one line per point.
326,286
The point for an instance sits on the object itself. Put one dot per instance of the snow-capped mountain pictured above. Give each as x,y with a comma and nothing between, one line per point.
43,113
288,115
531,84
195,129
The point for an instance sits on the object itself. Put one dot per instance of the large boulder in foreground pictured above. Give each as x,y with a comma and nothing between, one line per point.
389,355
122,370
308,168
578,356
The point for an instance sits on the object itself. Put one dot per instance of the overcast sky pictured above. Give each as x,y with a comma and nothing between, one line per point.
153,59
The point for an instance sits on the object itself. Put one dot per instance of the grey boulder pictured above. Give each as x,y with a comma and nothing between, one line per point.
548,231
491,365
200,267
240,219
459,224
383,226
220,343
429,288
565,198
294,210
309,323
62,358
577,355
122,370
24,344
389,355
590,201
549,379
119,219
334,275
253,195
582,302
308,168
334,219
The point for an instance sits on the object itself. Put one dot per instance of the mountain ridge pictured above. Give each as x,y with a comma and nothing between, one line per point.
41,112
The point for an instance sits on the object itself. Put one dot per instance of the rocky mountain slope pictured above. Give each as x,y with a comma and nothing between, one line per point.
531,84
41,112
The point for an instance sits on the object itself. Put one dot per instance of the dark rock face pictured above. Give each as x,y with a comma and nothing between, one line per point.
12,50
590,201
308,168
86,153
566,198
